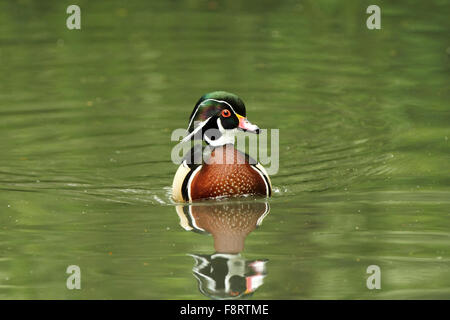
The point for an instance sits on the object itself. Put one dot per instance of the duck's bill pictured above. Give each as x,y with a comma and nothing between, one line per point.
246,125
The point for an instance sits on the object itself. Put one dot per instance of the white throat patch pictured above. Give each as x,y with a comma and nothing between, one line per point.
227,136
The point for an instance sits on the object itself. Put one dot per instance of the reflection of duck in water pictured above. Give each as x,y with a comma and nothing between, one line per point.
216,118
226,274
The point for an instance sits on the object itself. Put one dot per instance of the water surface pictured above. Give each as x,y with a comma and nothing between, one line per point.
85,124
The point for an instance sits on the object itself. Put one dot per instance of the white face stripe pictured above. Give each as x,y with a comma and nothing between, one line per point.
195,131
198,107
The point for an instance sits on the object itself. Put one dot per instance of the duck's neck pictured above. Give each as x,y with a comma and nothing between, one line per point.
226,137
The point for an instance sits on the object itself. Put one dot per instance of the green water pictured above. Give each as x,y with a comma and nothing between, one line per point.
85,124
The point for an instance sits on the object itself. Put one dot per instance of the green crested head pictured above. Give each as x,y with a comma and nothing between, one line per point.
211,104
216,117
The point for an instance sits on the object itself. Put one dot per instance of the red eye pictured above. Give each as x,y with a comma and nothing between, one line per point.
226,113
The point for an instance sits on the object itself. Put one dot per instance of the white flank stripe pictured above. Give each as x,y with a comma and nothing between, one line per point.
190,181
262,177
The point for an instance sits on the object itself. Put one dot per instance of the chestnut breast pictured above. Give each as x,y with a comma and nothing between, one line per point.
226,173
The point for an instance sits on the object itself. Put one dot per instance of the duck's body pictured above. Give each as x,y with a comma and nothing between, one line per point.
225,171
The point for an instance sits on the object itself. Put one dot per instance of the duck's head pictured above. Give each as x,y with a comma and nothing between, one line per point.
217,117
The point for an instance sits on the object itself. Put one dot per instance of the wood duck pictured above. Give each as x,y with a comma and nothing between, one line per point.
219,169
